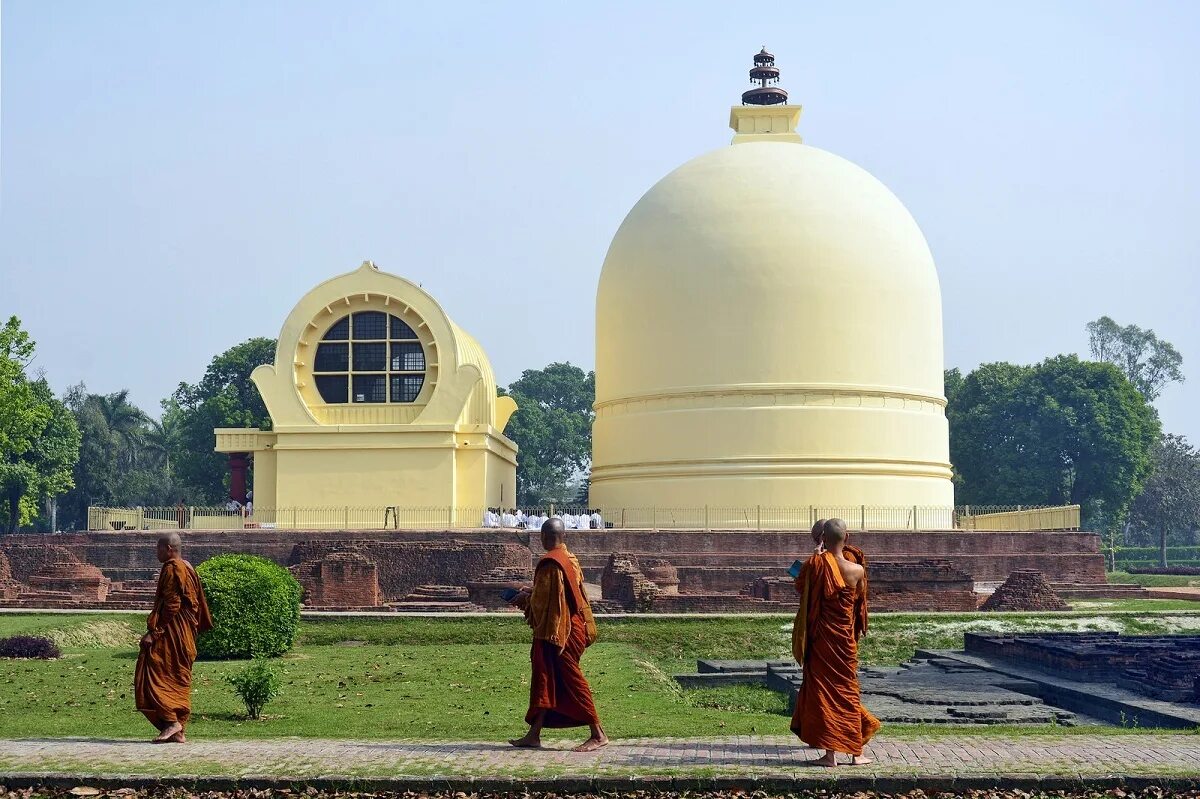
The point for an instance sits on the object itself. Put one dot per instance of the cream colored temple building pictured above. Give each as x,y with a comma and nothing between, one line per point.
768,333
377,399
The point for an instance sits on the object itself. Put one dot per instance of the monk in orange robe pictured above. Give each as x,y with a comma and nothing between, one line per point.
162,680
829,714
558,611
854,555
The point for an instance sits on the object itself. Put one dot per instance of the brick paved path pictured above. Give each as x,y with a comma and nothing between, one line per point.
1152,754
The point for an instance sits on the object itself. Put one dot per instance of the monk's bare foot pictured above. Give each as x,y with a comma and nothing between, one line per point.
828,760
169,732
859,760
527,742
178,738
592,744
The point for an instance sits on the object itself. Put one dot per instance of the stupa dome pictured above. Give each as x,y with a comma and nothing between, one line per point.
769,331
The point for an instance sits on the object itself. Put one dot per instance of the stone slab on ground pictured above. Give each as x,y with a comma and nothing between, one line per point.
1112,703
1038,757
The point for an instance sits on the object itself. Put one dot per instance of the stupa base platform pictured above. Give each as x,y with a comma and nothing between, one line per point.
687,570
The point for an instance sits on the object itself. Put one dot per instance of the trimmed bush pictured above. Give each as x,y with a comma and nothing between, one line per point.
257,684
255,607
29,646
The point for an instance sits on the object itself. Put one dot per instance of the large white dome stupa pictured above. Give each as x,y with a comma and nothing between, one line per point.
769,332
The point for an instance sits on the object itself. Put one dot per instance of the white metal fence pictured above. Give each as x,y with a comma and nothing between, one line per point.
761,517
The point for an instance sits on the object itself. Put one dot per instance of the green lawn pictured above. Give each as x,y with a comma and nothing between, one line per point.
466,678
1156,580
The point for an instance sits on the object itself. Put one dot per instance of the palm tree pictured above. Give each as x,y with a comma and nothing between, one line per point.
126,422
155,445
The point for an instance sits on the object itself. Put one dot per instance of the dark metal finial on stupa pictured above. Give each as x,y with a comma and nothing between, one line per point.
764,72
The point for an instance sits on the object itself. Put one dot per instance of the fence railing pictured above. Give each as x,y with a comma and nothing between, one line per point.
1064,517
759,517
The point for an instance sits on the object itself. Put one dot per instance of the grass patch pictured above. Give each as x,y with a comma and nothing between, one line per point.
1135,605
1156,580
468,678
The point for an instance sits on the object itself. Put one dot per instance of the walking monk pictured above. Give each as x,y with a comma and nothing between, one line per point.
162,681
829,714
854,555
561,618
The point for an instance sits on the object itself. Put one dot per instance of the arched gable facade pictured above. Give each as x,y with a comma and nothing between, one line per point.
377,399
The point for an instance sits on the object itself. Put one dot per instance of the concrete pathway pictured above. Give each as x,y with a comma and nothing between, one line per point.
1158,754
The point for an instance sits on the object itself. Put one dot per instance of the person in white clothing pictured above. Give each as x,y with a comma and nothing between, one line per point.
507,519
490,518
521,517
596,520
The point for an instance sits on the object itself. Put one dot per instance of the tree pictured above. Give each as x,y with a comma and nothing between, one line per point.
122,456
21,417
1062,432
125,421
1148,362
38,441
224,397
44,470
953,382
96,473
1170,501
553,429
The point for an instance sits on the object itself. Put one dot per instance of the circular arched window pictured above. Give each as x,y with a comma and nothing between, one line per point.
369,356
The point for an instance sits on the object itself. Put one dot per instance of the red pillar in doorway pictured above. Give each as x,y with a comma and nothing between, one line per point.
238,461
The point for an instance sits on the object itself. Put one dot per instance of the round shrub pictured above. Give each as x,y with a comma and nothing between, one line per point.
29,646
255,606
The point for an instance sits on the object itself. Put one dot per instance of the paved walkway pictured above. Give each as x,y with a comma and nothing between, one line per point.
1066,755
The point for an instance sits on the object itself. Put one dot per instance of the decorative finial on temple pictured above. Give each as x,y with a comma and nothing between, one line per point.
764,72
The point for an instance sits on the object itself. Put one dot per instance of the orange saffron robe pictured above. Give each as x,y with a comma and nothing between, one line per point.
563,627
829,712
162,680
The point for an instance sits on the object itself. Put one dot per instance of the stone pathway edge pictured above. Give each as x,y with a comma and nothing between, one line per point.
839,780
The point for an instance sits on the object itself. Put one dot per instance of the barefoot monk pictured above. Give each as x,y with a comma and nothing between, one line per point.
558,611
829,714
162,681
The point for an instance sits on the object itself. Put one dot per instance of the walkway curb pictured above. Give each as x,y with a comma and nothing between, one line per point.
842,782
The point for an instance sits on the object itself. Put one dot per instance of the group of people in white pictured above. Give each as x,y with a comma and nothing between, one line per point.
586,519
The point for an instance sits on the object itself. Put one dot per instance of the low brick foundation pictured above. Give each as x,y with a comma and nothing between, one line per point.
714,569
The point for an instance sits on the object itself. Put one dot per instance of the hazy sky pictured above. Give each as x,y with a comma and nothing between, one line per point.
176,175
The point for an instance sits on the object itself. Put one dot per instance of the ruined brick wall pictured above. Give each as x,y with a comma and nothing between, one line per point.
930,585
9,588
346,579
723,579
986,556
403,565
28,558
624,583
714,603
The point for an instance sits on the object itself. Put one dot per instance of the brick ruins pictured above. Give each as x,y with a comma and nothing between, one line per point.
9,588
341,579
486,591
637,570
1165,667
1025,590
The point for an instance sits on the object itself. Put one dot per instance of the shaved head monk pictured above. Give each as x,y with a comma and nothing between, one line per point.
162,680
854,555
558,611
829,714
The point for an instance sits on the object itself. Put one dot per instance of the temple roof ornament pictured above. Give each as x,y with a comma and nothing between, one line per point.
764,72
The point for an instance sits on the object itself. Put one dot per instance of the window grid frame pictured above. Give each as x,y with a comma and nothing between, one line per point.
389,376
